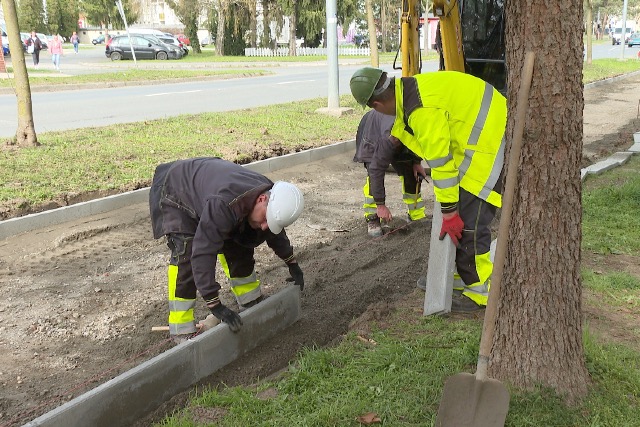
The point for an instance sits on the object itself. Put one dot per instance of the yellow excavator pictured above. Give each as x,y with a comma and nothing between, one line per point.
471,38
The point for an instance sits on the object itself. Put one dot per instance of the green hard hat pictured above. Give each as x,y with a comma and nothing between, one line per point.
363,83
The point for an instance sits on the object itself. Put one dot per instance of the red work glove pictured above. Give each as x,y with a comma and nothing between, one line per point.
452,225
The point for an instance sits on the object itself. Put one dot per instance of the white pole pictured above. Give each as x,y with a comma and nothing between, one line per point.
332,53
126,27
624,28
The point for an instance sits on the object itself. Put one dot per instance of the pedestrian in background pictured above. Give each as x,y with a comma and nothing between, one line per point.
76,41
55,48
34,46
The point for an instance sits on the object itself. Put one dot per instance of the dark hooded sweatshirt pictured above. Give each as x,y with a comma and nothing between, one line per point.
210,198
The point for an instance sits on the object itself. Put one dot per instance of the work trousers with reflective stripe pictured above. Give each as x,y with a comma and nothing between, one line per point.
473,261
411,194
238,264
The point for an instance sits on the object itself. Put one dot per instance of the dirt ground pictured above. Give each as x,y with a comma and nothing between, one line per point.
80,299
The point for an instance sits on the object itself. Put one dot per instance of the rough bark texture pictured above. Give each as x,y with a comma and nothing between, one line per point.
293,24
222,22
25,132
538,337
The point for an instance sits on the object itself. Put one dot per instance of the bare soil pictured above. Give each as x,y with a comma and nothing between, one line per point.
79,299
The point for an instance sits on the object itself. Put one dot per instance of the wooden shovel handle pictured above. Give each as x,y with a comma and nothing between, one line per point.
489,324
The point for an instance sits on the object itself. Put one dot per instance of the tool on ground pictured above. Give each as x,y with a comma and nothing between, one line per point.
475,400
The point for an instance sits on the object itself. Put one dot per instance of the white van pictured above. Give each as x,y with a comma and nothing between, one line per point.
616,36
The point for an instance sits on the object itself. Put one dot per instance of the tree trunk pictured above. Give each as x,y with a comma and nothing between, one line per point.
373,36
589,19
222,22
26,132
253,24
538,337
293,24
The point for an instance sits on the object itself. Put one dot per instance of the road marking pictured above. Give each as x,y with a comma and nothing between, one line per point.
174,93
295,81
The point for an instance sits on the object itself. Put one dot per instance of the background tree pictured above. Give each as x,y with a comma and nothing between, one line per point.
62,17
386,17
105,13
538,339
26,132
188,12
31,16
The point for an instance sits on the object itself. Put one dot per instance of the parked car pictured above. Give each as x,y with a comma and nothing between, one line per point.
146,47
5,48
184,39
157,39
172,40
99,40
634,40
616,37
205,41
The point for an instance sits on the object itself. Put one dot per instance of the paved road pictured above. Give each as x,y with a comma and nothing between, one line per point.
108,106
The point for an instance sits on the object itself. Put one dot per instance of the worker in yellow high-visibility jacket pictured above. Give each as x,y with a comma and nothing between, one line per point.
455,122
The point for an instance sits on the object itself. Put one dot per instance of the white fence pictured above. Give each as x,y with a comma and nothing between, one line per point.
305,51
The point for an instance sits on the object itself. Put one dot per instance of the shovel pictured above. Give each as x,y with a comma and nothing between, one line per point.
474,400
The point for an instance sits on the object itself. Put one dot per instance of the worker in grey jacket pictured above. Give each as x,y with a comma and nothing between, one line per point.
377,151
210,208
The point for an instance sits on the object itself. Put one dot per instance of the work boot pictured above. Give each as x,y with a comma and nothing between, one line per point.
243,307
463,304
373,226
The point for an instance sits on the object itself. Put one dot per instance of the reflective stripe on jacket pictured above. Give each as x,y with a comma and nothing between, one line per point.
456,122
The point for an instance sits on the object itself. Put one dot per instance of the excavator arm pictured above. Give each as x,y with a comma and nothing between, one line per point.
448,13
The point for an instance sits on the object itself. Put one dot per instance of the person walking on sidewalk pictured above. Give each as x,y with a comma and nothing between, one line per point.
55,48
377,150
34,46
210,208
75,39
456,122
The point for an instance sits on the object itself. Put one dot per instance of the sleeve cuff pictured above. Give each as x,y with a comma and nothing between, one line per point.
448,207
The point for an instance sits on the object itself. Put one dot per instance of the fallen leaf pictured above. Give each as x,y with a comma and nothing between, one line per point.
369,418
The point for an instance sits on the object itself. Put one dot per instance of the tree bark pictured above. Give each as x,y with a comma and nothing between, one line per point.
26,132
589,28
293,24
373,36
538,339
222,15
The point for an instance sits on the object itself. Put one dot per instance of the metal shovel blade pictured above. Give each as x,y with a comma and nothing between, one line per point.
470,402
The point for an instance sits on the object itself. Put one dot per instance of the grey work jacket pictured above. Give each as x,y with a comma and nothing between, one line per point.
210,198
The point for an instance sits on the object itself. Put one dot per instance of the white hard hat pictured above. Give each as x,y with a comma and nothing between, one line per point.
285,206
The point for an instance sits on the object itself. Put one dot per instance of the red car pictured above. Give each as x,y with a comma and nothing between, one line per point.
183,39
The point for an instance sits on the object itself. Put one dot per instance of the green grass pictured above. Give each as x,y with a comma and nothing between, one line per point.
124,156
601,69
399,377
611,204
39,77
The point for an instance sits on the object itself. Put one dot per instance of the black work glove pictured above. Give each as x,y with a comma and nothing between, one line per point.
296,275
228,316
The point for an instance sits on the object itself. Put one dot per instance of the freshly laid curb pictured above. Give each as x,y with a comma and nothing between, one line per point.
135,393
13,226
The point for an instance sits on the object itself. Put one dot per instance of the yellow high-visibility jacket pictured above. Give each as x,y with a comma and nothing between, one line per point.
456,123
